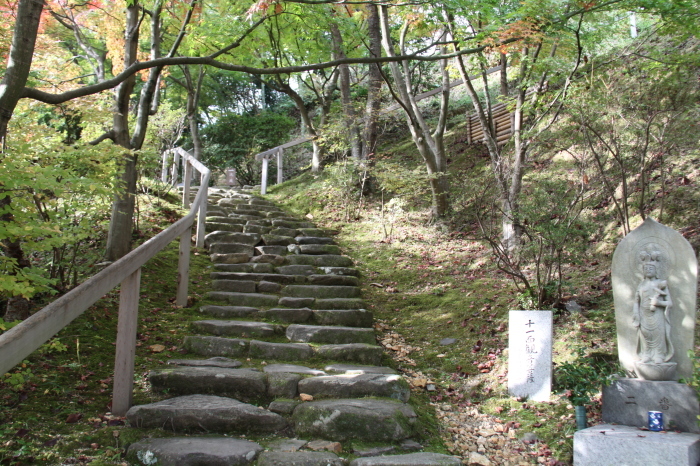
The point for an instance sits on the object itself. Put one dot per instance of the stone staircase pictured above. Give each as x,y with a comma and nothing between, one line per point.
289,358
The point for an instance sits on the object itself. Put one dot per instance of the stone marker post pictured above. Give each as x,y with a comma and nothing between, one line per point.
231,179
530,354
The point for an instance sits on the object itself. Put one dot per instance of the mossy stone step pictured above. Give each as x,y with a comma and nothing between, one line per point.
216,346
211,362
231,312
278,240
245,299
257,277
292,368
357,419
238,328
229,248
343,317
340,271
330,334
339,303
193,451
318,249
314,240
218,226
237,286
360,353
356,386
333,280
251,239
326,260
299,458
224,219
277,250
207,413
246,268
297,270
284,232
321,291
358,369
292,316
294,224
256,229
242,384
280,351
410,459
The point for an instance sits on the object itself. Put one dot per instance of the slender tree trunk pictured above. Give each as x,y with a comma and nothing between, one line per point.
13,82
374,83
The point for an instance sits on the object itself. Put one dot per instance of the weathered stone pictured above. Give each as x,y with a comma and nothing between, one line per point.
295,259
193,451
376,451
288,232
228,202
205,413
229,311
317,232
273,259
317,249
292,224
216,226
297,269
231,248
330,260
219,236
237,328
285,408
274,240
321,292
211,362
356,386
606,444
357,419
238,268
282,384
358,369
250,239
655,264
257,277
280,351
276,215
448,341
245,299
256,229
271,250
286,444
411,459
324,445
333,280
222,219
339,303
530,354
327,334
296,302
268,287
297,316
295,369
340,271
344,317
355,352
314,240
628,401
242,384
216,346
233,258
236,286
299,458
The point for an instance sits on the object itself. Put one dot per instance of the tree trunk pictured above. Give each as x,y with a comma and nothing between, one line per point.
13,82
374,83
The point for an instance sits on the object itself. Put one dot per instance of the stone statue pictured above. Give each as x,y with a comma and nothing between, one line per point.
651,316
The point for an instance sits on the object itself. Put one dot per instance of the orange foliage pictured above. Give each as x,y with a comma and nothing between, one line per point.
526,30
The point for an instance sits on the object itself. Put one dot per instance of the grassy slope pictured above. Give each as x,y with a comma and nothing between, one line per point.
428,282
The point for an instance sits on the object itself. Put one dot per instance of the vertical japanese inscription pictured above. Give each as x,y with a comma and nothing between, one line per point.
530,354
530,351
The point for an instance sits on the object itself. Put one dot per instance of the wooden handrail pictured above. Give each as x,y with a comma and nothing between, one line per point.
20,341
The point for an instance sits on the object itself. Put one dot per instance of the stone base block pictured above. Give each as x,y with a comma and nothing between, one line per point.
627,402
614,445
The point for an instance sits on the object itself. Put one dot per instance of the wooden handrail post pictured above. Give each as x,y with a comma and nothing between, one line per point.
164,168
183,268
175,166
202,215
187,181
280,169
126,344
263,181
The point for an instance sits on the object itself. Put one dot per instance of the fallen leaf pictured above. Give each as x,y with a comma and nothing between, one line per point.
73,418
156,348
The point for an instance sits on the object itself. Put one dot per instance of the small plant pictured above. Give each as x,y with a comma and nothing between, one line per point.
580,379
694,380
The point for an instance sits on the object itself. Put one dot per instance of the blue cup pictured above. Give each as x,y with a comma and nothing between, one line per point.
656,421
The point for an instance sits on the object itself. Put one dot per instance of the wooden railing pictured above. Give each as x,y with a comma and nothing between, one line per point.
20,341
279,153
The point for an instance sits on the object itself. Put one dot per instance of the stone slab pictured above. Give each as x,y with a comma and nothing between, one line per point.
608,445
242,384
193,451
677,266
286,444
340,271
216,346
314,240
293,368
230,248
356,386
330,334
299,458
236,286
530,354
339,303
344,317
358,369
244,299
296,316
354,352
297,269
229,311
411,459
244,329
321,292
211,362
280,351
627,402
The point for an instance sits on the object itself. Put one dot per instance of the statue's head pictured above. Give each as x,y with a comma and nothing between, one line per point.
651,261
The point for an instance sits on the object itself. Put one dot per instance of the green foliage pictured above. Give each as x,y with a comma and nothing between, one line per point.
580,379
233,141
5,326
412,184
17,379
694,380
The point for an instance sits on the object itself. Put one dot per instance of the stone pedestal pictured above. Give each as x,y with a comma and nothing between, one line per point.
627,402
612,445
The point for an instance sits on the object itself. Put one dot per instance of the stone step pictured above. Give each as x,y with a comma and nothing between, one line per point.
259,222
297,270
299,458
321,291
245,299
292,368
343,317
338,303
278,240
312,231
237,328
193,451
277,250
207,413
229,248
237,286
293,224
256,229
410,459
355,419
230,312
358,369
281,351
224,219
333,280
292,316
258,277
356,386
216,226
242,384
257,209
317,249
285,232
246,268
340,271
360,353
273,214
251,239
211,362
329,334
248,217
232,258
228,202
327,260
314,240
216,346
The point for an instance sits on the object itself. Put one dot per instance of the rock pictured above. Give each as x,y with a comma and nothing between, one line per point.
411,445
296,316
358,369
299,458
356,386
283,384
344,317
242,384
192,451
448,341
229,311
245,299
314,240
306,397
339,303
274,240
211,362
288,232
231,248
273,259
324,445
319,249
233,258
292,368
357,419
236,286
271,250
286,444
354,352
573,307
327,334
216,226
297,269
334,280
340,271
321,292
216,346
238,328
268,287
296,302
477,459
529,437
411,459
205,413
376,451
280,351
284,407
